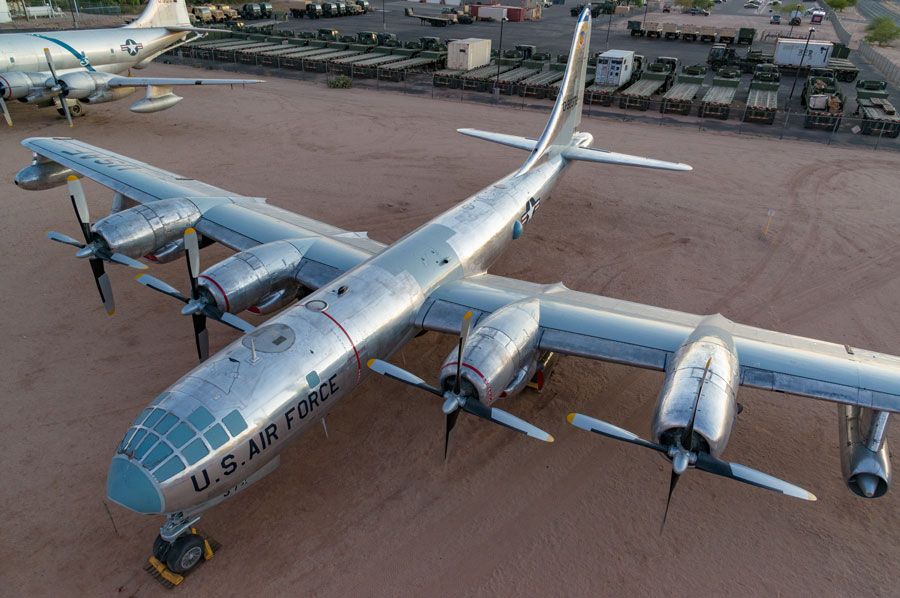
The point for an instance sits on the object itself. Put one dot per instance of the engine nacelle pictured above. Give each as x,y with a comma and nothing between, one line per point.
262,277
102,96
17,86
81,85
42,174
143,229
865,458
717,406
500,354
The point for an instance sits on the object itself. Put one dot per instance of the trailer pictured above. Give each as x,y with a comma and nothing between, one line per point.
671,31
344,66
537,85
397,71
690,33
229,54
482,79
746,35
508,82
762,100
369,67
707,34
716,103
294,60
680,98
273,57
879,117
727,35
320,62
635,28
447,78
652,29
844,70
251,55
657,77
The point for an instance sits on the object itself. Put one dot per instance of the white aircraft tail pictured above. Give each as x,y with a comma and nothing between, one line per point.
561,136
162,13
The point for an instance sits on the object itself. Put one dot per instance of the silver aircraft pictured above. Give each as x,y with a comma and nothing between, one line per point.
67,69
222,426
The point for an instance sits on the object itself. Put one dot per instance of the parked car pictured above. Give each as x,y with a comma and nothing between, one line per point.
775,20
667,8
698,11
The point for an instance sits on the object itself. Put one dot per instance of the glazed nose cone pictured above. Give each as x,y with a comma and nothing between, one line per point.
131,486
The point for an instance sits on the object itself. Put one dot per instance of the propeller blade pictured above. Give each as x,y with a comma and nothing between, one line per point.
103,286
79,203
201,336
61,238
158,285
673,480
124,260
610,431
687,434
60,95
5,111
748,475
192,252
504,418
450,424
391,371
235,322
463,335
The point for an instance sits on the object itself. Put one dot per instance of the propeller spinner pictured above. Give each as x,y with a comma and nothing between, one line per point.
456,399
197,305
93,248
683,454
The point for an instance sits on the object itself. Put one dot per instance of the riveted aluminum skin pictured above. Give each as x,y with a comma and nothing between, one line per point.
42,174
15,86
80,85
497,350
143,229
247,278
717,406
857,459
324,342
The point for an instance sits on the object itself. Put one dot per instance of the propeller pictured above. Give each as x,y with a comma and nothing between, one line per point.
4,109
93,248
683,455
58,90
455,400
198,304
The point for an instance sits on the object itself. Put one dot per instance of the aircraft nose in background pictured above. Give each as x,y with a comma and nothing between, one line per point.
131,486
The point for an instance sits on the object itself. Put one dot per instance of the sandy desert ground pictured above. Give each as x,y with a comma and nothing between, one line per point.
374,511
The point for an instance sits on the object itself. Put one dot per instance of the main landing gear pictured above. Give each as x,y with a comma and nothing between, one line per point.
178,549
76,108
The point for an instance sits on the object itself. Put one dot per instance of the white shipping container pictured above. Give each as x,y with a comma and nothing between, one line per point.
491,12
788,52
614,67
468,54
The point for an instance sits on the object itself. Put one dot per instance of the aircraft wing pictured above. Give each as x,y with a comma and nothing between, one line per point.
172,82
595,327
236,221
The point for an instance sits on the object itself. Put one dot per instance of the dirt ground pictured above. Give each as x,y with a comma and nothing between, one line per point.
374,511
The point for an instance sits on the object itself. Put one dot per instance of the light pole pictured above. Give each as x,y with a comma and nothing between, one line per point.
500,53
800,66
608,27
383,16
644,20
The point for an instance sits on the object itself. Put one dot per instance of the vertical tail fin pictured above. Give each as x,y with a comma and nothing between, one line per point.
566,114
162,13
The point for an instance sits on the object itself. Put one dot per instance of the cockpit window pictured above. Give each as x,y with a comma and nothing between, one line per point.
234,422
195,451
201,418
216,436
143,415
166,423
132,444
126,438
148,442
168,469
156,456
153,418
181,434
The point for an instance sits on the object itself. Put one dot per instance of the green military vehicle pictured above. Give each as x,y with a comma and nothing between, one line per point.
680,98
716,103
657,77
823,100
879,116
762,101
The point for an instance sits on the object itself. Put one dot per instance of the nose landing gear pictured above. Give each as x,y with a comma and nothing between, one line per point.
178,550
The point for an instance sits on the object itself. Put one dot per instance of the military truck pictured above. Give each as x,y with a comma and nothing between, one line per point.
762,101
231,14
879,116
364,5
716,103
746,35
680,98
251,11
218,15
265,10
657,77
328,35
823,100
721,55
330,9
202,13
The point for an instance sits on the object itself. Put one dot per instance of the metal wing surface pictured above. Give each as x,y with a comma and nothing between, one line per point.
595,327
236,221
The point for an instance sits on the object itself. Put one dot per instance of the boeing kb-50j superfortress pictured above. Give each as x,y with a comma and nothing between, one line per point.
68,68
222,425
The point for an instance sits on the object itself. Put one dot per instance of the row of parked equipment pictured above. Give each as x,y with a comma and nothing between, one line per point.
692,33
316,10
224,13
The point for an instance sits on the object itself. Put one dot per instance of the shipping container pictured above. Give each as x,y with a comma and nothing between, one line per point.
788,52
614,67
492,12
515,13
468,54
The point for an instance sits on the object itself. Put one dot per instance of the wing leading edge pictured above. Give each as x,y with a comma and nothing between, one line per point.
605,329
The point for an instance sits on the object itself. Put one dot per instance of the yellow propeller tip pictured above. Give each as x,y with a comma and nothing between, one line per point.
550,438
570,417
468,315
71,177
370,362
190,231
111,313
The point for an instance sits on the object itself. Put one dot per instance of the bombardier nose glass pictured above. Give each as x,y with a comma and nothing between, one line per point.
166,444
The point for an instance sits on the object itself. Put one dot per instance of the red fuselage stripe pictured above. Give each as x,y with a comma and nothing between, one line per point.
352,344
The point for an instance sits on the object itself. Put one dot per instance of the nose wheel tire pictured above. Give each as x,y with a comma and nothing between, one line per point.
184,553
161,549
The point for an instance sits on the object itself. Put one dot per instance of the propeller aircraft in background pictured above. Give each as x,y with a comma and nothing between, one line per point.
67,69
223,425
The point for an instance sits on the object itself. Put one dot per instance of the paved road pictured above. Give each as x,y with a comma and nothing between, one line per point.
876,8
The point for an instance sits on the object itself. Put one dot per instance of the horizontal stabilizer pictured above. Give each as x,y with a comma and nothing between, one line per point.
522,143
587,154
170,82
